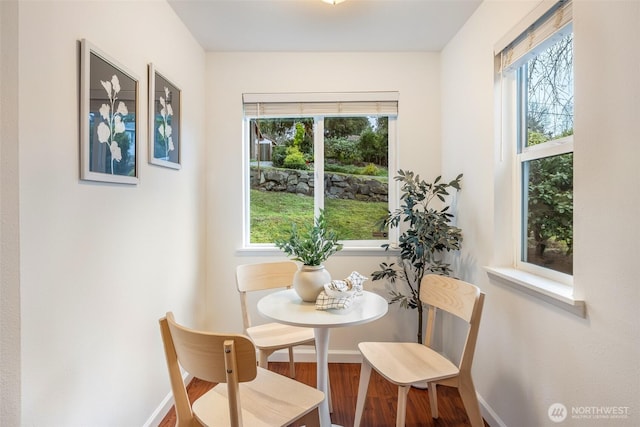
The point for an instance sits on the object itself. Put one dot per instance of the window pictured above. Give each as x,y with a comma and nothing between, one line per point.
540,65
306,152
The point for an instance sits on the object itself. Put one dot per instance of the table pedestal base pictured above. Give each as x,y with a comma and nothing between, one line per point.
322,374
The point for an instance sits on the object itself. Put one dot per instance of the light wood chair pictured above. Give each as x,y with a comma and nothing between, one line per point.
270,337
245,393
405,364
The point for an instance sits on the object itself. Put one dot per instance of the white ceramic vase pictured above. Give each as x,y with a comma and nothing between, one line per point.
309,281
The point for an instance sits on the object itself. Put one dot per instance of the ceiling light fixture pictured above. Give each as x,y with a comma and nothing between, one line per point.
333,2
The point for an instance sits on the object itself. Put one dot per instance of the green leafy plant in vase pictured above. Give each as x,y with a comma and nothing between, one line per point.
427,234
311,247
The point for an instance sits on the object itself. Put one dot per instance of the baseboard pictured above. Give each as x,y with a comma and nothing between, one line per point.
489,414
165,406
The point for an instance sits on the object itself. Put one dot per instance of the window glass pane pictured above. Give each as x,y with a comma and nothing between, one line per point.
281,169
548,213
546,114
356,155
549,92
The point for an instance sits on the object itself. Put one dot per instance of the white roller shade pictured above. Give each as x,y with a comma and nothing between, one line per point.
544,30
324,104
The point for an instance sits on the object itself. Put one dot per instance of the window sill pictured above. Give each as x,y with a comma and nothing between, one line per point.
547,290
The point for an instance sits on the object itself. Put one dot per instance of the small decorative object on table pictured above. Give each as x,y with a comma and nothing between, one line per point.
312,248
341,293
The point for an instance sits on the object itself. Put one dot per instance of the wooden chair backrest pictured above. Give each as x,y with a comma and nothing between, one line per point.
267,275
184,414
218,358
459,298
262,276
202,354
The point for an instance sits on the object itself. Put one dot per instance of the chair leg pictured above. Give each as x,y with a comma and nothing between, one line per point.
433,399
292,365
401,412
329,393
470,401
365,374
263,359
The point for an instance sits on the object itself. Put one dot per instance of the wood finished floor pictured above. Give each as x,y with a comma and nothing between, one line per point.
380,407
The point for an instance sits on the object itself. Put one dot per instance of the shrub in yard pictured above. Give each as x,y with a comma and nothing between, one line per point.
294,159
370,169
278,155
342,150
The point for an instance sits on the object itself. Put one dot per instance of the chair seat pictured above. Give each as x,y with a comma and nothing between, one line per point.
407,363
276,335
261,406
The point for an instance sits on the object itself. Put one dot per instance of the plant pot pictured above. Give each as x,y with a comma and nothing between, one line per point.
309,281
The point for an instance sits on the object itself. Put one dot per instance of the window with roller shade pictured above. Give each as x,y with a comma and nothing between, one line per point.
537,78
307,152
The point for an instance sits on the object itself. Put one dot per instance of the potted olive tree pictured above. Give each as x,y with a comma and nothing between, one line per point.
311,247
427,234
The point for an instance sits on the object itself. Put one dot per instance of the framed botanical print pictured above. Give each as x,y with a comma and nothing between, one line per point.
164,120
108,119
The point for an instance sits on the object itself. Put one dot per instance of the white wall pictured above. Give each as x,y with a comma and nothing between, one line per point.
531,354
100,263
229,75
9,219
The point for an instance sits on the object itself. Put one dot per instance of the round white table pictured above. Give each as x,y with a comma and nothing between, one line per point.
288,308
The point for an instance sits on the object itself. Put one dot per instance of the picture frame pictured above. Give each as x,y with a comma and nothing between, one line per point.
165,112
108,118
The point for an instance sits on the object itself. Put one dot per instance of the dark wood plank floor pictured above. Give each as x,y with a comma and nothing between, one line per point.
380,407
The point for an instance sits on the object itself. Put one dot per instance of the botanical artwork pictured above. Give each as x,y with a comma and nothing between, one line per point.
108,123
112,127
164,115
164,140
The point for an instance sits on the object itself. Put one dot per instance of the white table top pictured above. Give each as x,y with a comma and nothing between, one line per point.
288,308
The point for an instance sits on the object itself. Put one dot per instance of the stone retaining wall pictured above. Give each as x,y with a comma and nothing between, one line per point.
336,185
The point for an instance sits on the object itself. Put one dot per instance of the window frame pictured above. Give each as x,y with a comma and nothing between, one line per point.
524,154
551,287
318,125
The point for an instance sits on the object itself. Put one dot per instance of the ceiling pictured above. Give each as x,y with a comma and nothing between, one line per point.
311,25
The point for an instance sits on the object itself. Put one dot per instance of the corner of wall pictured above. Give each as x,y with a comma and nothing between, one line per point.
10,372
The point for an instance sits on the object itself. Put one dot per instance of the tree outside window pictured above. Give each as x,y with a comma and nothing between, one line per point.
546,157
